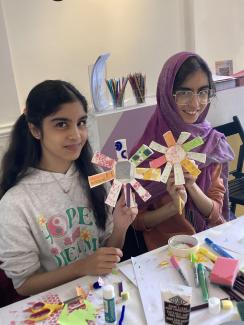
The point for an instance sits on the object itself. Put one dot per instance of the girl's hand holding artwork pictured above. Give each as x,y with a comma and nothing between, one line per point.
124,216
175,191
101,262
189,178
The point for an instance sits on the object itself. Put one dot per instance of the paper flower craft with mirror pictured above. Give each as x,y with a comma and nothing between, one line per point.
124,173
176,155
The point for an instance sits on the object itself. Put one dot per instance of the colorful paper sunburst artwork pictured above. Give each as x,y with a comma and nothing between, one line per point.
176,155
124,173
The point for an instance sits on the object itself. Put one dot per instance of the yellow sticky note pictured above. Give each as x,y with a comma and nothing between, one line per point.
190,167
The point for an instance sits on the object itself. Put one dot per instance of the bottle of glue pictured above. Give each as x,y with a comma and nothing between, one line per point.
109,304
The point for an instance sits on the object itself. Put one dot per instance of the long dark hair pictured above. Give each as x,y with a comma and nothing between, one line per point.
24,150
191,65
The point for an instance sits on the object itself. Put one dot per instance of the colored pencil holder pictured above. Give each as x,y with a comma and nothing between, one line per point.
138,85
116,89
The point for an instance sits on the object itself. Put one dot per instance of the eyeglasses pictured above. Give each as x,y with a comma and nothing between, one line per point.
185,97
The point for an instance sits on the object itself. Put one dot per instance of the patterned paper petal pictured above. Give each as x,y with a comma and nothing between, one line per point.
141,154
166,172
194,143
100,178
158,162
169,139
157,147
144,194
121,149
190,167
183,137
179,175
149,174
113,193
103,160
201,157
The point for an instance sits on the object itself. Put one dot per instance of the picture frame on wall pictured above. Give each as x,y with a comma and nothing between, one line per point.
224,67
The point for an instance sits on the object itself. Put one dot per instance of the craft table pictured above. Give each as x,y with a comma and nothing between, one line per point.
134,313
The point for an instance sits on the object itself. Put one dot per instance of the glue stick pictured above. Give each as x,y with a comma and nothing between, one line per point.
109,304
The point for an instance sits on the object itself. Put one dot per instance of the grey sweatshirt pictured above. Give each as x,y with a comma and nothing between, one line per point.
43,228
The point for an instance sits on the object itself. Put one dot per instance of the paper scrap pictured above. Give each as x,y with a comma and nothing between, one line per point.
121,149
194,143
144,194
179,175
166,172
190,167
158,162
201,157
183,137
157,147
149,174
113,193
169,139
100,178
78,316
103,160
141,154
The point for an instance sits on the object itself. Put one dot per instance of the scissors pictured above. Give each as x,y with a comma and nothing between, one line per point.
41,310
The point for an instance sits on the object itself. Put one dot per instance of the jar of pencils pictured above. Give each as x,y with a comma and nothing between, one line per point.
116,88
138,85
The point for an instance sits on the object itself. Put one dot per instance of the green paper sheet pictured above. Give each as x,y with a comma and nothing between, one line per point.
78,316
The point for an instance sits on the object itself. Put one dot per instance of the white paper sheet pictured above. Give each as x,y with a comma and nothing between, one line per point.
228,241
150,276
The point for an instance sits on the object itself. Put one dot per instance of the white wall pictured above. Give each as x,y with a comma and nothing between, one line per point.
51,39
47,39
8,94
219,26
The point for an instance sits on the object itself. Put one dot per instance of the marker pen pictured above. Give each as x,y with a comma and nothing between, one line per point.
203,281
217,248
207,253
194,265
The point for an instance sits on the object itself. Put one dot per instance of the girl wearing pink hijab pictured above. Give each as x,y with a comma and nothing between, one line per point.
184,91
